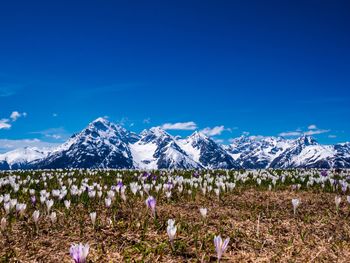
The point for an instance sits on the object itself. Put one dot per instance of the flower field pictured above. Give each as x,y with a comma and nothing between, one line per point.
175,216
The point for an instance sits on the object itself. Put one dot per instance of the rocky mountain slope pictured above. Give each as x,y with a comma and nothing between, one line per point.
103,144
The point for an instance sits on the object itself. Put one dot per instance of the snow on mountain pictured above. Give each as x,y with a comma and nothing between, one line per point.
100,145
20,158
207,152
342,156
256,152
313,156
305,152
103,144
157,149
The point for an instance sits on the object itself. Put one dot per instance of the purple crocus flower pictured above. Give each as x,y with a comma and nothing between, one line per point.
33,200
324,173
146,175
220,246
169,186
344,187
119,186
79,252
151,204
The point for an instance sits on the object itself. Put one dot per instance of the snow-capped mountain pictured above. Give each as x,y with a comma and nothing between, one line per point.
20,158
158,149
257,152
103,144
304,152
207,152
100,145
342,155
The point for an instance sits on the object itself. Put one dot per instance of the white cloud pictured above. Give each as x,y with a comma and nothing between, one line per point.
312,127
332,136
4,124
9,145
291,133
54,136
53,133
314,132
245,133
15,115
217,130
179,126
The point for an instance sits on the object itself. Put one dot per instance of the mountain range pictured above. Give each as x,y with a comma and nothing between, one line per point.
103,144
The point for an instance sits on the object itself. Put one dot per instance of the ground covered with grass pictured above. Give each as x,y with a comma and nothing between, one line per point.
258,220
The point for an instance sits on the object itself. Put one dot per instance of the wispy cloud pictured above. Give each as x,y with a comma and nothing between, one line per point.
180,126
9,145
15,115
332,136
217,130
4,124
312,130
290,133
312,127
53,133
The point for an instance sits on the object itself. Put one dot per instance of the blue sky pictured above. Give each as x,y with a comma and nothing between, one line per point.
257,67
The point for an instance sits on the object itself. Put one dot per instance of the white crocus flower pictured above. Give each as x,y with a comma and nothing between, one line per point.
93,218
203,212
295,203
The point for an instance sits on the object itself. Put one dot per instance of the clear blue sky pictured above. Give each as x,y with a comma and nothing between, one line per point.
263,67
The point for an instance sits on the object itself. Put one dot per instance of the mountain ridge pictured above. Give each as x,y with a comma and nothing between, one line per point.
103,144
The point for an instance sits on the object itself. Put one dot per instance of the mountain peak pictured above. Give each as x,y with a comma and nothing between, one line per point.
199,135
155,134
102,120
100,124
307,140
158,131
103,144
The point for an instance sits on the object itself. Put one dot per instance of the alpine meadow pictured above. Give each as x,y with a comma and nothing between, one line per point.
174,131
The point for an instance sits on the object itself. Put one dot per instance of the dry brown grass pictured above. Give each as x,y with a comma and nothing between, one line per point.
316,234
